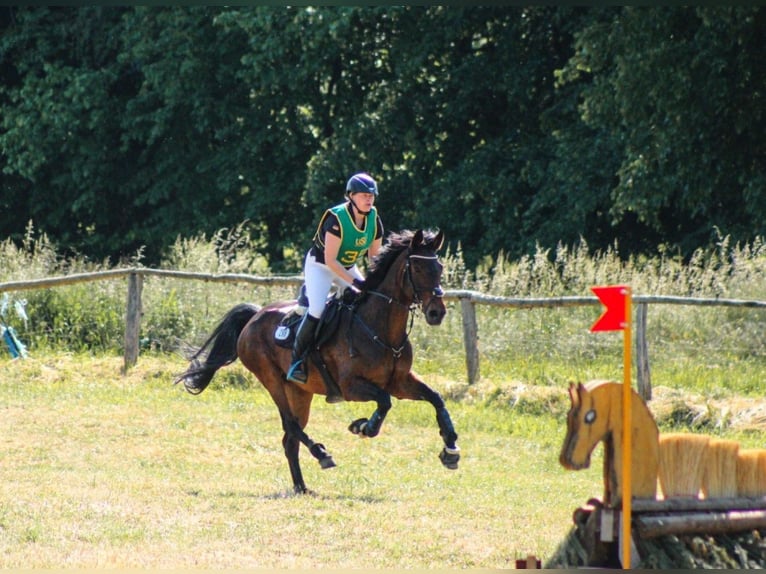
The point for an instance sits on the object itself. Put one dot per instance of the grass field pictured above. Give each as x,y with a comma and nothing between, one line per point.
100,469
103,470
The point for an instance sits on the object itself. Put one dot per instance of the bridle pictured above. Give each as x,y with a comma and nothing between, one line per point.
436,291
416,299
411,308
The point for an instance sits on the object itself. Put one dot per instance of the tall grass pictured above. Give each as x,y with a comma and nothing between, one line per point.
118,471
712,350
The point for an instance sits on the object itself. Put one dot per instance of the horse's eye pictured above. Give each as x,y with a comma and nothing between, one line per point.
590,417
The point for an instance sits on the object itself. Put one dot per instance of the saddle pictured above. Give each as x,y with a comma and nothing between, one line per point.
284,334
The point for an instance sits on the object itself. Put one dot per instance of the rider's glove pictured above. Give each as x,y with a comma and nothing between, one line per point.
358,283
350,295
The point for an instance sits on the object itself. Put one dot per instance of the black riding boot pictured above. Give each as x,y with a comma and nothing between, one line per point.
304,338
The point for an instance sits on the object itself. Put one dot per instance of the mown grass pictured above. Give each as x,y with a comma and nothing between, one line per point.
104,469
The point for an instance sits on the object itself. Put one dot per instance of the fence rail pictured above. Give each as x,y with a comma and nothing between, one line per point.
468,301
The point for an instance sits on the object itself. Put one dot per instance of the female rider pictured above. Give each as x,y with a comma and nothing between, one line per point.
344,234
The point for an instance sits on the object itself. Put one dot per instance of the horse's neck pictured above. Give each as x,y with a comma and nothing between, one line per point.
392,309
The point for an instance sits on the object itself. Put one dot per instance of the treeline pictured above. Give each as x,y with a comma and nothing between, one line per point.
123,128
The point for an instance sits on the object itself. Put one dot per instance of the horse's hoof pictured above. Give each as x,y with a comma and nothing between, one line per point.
449,458
326,462
357,427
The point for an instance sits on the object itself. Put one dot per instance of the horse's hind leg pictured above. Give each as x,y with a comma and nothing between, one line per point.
293,437
294,404
291,445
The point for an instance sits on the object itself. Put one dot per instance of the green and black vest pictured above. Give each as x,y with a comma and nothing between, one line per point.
354,242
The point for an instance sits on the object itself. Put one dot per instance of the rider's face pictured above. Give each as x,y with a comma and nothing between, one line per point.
363,201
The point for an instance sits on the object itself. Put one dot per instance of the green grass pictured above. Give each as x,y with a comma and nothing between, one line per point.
102,470
106,470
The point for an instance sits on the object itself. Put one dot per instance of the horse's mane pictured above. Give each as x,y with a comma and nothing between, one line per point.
395,243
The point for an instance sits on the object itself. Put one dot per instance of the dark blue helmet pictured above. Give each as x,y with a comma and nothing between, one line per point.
361,183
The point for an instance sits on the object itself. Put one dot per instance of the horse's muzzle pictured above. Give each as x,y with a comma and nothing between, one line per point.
434,310
567,459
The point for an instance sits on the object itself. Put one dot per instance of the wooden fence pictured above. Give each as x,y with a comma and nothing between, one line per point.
468,301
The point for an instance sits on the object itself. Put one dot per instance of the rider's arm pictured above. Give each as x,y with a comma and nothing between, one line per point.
374,248
377,242
331,248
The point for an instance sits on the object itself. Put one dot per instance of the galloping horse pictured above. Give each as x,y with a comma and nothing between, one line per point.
368,355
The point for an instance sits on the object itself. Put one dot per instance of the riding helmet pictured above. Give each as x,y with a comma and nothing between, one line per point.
361,183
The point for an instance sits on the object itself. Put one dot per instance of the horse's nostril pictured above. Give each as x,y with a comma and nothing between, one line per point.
435,315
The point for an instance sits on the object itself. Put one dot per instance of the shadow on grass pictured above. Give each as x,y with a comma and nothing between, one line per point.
285,494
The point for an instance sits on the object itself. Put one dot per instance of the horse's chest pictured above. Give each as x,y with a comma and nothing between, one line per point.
380,367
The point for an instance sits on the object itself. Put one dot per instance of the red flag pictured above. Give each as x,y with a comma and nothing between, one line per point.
613,297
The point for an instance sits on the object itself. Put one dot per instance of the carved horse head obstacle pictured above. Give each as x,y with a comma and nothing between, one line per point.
681,483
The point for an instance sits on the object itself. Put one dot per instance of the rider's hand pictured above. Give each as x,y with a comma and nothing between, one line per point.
358,283
350,295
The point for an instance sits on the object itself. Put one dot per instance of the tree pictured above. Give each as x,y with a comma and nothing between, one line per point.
122,128
680,93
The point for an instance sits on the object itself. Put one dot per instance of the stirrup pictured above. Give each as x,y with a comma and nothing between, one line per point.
296,373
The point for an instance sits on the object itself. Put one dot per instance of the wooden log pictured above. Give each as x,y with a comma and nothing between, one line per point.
643,373
698,505
651,526
74,278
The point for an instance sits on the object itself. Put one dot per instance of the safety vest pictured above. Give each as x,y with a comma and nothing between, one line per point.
354,242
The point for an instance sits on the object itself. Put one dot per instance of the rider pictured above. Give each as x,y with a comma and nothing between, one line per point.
345,233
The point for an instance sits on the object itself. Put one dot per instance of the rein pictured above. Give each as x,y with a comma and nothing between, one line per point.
411,308
396,351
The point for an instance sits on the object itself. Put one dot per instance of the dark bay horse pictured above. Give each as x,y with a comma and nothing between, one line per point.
369,355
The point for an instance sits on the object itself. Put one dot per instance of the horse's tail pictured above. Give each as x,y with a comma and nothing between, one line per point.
204,363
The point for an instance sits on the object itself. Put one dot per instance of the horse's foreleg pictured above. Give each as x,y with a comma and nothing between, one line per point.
450,454
414,388
368,392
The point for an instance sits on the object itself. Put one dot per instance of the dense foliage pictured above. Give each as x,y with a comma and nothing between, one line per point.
123,128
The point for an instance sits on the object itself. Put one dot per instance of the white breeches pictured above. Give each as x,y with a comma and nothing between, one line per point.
319,279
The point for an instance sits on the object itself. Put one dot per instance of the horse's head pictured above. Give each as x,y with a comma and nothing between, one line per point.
588,423
424,273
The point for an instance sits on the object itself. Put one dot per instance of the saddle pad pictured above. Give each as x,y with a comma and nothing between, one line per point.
284,334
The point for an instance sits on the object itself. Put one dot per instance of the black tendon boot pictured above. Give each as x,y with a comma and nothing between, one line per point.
304,338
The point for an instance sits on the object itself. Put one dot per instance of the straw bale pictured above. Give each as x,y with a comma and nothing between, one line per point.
759,478
719,477
681,463
751,472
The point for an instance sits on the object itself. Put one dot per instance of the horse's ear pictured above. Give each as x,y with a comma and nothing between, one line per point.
581,391
417,239
439,241
574,395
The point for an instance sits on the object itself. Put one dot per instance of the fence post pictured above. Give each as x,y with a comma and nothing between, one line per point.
642,354
470,339
133,319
